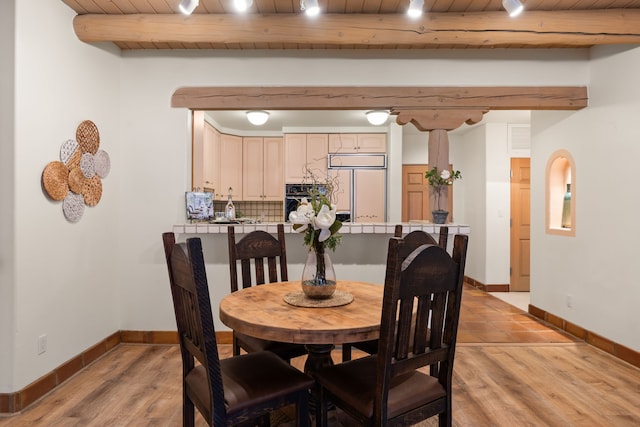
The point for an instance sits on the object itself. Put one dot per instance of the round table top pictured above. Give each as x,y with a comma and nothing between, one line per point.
261,311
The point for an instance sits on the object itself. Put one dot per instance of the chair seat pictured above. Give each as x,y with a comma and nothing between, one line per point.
286,351
354,381
248,380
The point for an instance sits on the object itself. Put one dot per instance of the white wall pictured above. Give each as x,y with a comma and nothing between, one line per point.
149,78
597,267
469,155
78,283
66,280
7,271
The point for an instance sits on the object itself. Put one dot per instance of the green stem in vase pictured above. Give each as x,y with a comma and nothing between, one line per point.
318,247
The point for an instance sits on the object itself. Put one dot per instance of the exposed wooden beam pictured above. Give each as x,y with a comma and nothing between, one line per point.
577,28
442,119
398,98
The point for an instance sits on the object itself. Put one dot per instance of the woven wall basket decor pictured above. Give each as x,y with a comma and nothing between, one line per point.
76,179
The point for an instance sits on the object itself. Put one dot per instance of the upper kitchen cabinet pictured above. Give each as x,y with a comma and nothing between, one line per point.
263,172
230,167
304,153
358,143
206,156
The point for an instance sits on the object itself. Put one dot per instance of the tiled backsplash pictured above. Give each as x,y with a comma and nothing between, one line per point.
260,211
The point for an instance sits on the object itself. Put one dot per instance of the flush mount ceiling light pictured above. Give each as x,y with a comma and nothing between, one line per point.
242,5
188,6
513,7
257,118
377,117
415,8
310,7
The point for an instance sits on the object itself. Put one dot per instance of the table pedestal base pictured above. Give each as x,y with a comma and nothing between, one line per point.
319,356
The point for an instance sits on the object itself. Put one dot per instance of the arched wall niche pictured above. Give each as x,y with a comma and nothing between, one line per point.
560,178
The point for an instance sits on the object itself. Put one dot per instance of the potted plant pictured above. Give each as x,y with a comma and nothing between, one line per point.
439,181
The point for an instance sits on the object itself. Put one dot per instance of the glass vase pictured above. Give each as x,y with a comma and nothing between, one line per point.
318,275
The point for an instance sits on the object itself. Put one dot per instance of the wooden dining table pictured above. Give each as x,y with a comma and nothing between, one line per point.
261,311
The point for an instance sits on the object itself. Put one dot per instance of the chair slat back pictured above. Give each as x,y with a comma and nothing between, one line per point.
421,308
192,306
419,237
260,249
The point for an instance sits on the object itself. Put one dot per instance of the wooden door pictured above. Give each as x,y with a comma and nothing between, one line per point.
520,224
415,193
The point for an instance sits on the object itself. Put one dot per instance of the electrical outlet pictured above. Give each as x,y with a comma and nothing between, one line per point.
569,301
42,344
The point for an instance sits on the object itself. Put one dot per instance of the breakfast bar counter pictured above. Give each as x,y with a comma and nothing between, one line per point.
347,228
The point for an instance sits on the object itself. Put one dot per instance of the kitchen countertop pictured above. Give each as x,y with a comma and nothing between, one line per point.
347,228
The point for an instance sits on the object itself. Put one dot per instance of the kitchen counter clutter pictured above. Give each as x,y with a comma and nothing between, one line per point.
347,228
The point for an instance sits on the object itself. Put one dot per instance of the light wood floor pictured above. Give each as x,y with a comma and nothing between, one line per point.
510,370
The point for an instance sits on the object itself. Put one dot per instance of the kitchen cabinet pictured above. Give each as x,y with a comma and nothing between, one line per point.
206,150
369,195
358,143
304,153
262,178
230,167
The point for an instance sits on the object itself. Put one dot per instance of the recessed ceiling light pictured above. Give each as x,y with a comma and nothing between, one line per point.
188,6
513,7
415,8
242,5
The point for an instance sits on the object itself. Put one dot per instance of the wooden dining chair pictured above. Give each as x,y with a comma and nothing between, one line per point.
394,386
256,249
230,391
411,241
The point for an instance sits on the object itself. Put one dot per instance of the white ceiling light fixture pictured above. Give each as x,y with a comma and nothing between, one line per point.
188,6
242,5
257,118
377,117
310,7
513,7
415,8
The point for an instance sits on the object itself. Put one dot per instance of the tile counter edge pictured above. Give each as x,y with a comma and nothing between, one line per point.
362,228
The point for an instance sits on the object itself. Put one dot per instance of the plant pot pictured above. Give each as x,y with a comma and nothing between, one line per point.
318,275
440,216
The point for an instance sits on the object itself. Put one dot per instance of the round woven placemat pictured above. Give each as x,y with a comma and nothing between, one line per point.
92,190
88,137
299,299
76,180
102,163
73,207
87,165
55,179
69,147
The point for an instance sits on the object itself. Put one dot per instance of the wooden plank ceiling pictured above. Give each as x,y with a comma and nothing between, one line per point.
357,24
